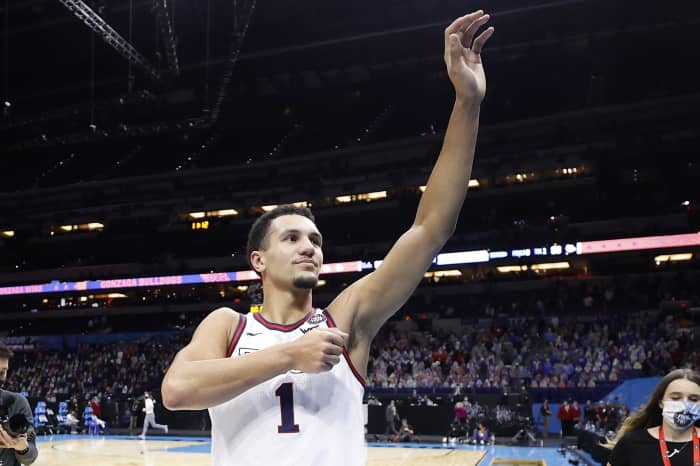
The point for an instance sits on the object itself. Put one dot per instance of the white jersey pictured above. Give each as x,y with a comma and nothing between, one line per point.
293,419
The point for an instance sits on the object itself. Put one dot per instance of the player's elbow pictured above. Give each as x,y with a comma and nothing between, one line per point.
173,395
436,234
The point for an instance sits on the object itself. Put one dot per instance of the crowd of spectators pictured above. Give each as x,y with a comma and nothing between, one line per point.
540,353
496,351
115,370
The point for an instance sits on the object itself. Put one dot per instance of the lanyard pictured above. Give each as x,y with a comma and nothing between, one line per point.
664,449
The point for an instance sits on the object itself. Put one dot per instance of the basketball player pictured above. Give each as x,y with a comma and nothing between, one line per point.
284,386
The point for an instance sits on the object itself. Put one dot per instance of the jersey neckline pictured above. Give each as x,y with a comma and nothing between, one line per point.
283,327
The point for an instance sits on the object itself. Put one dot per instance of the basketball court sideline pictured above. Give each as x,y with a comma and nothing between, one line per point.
84,450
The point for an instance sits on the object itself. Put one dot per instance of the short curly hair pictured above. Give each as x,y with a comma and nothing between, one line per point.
258,232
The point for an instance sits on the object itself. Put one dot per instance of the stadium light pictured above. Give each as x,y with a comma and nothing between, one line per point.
550,266
443,273
473,183
686,256
511,268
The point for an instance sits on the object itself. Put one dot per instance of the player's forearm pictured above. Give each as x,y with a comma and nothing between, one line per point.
192,385
447,187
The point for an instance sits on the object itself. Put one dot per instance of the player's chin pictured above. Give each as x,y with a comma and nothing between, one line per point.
305,281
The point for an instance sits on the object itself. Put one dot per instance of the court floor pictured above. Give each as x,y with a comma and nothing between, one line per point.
83,450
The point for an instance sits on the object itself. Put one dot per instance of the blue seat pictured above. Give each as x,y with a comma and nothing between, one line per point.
41,420
62,417
90,423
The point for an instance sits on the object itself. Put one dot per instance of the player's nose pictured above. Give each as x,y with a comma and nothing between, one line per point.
306,247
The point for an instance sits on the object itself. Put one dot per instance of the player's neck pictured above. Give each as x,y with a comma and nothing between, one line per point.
286,307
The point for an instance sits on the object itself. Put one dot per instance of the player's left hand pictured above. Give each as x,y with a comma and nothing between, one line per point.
463,55
19,443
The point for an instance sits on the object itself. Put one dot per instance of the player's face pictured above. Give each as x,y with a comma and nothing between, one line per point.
293,255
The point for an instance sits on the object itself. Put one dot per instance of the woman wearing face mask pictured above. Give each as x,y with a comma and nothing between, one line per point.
663,432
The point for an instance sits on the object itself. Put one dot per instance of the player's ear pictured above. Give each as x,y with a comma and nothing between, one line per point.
257,261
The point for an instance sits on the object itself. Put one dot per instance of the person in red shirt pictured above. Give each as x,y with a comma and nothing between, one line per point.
95,405
575,415
601,415
564,414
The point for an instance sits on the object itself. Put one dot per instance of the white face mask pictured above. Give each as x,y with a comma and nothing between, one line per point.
681,415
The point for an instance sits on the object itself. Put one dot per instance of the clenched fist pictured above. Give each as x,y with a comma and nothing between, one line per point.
318,350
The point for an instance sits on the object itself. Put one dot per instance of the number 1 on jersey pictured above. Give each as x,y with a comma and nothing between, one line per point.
286,394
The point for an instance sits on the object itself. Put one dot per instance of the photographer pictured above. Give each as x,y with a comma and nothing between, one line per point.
17,436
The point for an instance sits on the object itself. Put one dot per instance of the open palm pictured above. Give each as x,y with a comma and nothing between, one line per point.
463,55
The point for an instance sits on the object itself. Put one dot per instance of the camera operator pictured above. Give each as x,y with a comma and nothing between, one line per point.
17,436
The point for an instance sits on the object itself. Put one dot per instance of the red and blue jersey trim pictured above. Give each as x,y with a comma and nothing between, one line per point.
237,334
331,324
281,327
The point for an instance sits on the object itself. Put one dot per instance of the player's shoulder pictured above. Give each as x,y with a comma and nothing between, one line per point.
220,321
224,314
212,336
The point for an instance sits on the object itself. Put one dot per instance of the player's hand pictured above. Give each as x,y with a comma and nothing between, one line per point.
19,443
318,351
463,55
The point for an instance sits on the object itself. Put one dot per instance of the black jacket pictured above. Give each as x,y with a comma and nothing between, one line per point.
12,403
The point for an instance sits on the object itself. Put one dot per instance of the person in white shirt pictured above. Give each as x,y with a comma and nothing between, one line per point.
150,418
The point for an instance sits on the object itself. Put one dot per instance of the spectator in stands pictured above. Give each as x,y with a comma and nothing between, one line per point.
73,404
96,406
663,432
102,425
73,421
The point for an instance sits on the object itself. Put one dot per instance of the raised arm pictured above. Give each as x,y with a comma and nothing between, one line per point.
201,376
374,298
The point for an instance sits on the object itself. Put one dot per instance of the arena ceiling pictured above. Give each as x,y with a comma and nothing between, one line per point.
51,58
